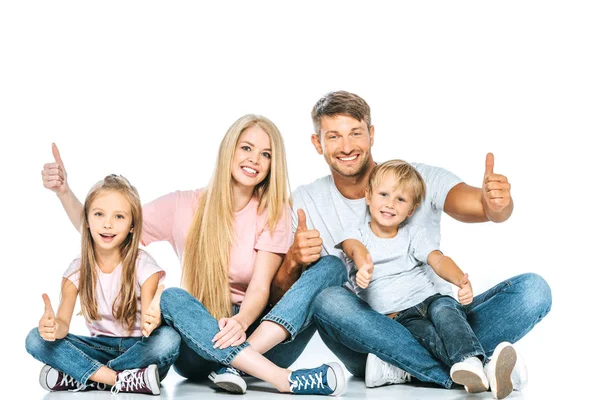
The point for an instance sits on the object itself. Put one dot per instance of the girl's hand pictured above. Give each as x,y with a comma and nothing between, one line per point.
365,273
231,334
54,175
151,318
48,326
465,293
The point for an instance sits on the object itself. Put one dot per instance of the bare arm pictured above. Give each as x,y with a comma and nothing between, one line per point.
362,259
491,202
447,269
56,326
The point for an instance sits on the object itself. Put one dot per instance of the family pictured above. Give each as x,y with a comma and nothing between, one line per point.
354,255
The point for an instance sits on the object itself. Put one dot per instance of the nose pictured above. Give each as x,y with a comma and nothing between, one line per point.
346,145
253,157
107,224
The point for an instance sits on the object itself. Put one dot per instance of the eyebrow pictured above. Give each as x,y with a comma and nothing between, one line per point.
356,128
252,145
116,212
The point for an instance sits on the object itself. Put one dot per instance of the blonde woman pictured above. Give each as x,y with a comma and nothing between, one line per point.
231,238
116,283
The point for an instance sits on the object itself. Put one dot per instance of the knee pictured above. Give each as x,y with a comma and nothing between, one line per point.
166,341
537,295
334,269
171,298
34,342
328,301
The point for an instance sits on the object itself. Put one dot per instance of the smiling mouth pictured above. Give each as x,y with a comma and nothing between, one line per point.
349,158
387,214
250,171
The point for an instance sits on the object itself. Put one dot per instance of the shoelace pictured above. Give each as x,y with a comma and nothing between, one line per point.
312,381
392,373
129,380
232,371
68,380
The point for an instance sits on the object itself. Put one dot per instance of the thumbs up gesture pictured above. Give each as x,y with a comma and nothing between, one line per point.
307,244
48,326
465,291
151,317
54,175
495,189
365,272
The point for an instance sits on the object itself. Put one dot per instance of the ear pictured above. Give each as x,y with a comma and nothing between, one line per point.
414,207
368,196
316,141
131,230
372,134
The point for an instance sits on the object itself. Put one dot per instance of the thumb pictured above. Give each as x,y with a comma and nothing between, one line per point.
489,164
56,155
464,280
301,221
158,293
47,305
222,323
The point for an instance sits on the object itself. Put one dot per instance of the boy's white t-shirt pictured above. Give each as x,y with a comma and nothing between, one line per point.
107,290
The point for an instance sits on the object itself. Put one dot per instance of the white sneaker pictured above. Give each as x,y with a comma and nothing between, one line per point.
379,373
519,376
500,368
229,379
470,374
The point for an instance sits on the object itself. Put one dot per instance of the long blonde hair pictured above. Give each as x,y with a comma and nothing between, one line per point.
208,243
125,305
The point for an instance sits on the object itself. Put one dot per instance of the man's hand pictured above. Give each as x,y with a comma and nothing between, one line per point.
495,189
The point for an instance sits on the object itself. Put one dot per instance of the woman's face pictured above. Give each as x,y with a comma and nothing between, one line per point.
252,157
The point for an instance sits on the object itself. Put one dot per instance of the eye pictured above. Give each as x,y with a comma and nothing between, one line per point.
267,155
246,148
383,194
356,133
331,137
97,214
401,199
119,216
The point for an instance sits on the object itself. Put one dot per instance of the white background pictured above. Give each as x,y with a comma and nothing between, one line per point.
147,90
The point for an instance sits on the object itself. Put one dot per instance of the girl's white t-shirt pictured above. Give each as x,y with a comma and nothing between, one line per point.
107,290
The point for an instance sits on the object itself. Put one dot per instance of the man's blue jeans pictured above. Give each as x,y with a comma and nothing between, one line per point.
82,356
352,329
293,312
440,324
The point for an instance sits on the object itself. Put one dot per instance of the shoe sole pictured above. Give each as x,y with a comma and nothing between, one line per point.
371,363
470,380
43,377
340,379
154,384
239,386
500,382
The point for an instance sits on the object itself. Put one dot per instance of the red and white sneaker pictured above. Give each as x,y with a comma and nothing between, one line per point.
54,380
138,380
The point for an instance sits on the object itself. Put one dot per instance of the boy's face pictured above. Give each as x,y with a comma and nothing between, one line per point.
389,203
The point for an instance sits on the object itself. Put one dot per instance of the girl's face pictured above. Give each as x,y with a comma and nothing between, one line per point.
252,157
110,220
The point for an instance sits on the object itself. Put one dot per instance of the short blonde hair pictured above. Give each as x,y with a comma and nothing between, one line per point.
405,174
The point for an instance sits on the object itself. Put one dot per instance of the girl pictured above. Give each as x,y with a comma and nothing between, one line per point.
231,238
116,283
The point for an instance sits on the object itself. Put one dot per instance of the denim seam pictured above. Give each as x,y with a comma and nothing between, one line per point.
447,384
285,324
95,347
95,363
226,360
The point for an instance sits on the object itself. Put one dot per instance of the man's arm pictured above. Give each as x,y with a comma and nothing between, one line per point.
305,250
491,202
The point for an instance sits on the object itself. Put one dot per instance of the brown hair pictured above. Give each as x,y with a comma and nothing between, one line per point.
340,103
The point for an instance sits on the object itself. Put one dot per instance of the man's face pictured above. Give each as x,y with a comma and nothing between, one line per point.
346,144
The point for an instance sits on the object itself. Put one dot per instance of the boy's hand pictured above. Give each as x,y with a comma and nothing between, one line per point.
48,326
365,273
465,293
151,318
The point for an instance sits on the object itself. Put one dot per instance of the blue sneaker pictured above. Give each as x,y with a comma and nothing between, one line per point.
229,379
328,379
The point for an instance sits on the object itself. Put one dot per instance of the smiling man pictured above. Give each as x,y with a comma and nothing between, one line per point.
370,344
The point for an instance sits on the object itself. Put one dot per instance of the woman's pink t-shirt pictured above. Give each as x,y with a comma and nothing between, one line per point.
107,290
169,217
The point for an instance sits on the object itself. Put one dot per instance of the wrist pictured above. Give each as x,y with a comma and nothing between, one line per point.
242,321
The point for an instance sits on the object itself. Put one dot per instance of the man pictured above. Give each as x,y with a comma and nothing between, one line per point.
370,344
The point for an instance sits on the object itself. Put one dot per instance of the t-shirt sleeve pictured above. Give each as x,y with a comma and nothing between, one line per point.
354,232
146,267
280,239
72,273
159,217
421,243
438,181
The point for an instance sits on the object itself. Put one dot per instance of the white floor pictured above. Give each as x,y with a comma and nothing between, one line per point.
543,384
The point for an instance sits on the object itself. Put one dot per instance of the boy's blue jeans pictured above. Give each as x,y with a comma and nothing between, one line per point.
440,324
293,312
352,329
82,356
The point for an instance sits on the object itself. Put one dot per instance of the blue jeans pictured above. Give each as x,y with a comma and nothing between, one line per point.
293,312
440,324
82,356
352,329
